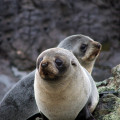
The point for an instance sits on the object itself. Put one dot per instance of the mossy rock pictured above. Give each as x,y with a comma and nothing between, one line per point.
108,108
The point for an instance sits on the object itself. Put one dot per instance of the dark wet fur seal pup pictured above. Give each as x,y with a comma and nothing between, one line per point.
18,106
63,88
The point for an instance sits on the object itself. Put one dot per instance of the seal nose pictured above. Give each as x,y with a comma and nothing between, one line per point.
44,65
98,45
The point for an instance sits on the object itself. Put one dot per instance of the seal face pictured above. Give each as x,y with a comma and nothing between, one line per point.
51,67
84,48
62,87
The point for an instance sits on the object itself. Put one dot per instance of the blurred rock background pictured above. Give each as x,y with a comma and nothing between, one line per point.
27,27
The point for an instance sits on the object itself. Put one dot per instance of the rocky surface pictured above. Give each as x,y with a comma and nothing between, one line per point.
27,27
109,103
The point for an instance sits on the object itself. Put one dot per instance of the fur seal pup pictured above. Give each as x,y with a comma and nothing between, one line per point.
17,106
62,86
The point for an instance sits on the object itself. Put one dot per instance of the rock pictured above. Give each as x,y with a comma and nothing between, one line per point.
109,103
112,83
108,108
116,74
31,26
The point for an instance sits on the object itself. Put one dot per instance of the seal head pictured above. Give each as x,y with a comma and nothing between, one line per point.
52,67
84,48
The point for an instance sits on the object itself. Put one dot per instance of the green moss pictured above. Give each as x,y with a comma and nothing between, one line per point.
98,84
108,108
111,116
106,89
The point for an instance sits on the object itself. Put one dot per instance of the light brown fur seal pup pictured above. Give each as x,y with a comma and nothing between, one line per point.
63,87
17,106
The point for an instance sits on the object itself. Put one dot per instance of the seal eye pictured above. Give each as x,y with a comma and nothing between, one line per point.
73,63
83,47
58,62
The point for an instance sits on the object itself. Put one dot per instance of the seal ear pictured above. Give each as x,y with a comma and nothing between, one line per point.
73,63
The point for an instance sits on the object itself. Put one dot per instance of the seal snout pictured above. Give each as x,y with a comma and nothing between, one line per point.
47,69
44,65
97,45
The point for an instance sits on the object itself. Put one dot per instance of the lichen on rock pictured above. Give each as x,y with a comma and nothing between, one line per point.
108,107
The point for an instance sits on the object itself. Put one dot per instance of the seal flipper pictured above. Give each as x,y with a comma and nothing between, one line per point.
44,117
85,114
33,117
38,115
